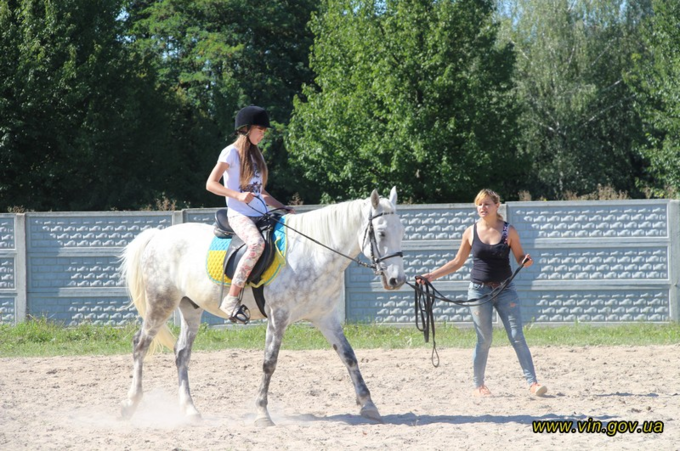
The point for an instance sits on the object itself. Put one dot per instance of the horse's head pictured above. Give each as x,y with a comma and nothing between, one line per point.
380,240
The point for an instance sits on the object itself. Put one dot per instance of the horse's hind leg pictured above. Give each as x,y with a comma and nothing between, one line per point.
155,319
191,320
332,330
140,346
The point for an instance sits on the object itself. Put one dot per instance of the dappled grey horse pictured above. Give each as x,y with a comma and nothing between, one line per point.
166,269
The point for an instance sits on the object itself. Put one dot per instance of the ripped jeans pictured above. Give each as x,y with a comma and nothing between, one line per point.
507,306
245,228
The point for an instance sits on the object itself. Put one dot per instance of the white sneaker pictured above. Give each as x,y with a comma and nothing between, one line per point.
229,305
537,389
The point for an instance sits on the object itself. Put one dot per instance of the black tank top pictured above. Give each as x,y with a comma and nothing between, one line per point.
491,262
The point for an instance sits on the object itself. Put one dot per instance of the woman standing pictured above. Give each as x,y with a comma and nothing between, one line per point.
490,240
244,171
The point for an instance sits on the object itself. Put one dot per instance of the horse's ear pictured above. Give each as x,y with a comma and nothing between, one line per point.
375,198
393,197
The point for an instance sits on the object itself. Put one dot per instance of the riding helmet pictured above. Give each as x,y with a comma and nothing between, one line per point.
252,115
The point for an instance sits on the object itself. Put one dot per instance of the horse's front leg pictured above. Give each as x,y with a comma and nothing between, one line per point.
276,326
191,320
332,330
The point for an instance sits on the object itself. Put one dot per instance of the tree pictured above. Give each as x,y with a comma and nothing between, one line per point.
117,103
578,125
80,116
413,93
219,56
656,81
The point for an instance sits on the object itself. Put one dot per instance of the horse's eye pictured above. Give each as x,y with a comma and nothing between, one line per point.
381,234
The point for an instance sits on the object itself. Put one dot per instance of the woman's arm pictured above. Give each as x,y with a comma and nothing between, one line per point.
457,262
516,248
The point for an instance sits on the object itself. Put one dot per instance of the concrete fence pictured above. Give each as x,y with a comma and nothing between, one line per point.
595,262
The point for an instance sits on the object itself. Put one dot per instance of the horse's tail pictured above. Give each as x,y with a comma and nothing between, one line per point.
131,271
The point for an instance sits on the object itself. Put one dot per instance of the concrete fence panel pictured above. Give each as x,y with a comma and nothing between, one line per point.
596,262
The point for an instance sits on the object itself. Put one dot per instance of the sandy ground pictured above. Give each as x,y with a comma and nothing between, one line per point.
73,402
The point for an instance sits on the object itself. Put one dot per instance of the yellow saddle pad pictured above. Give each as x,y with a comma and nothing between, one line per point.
218,251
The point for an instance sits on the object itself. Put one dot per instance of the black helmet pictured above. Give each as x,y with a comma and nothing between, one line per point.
252,115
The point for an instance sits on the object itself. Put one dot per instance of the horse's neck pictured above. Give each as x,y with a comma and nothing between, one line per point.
336,226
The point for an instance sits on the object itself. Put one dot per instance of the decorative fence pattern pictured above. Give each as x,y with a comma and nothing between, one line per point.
596,262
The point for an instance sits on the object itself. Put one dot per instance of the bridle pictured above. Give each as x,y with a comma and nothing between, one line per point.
376,259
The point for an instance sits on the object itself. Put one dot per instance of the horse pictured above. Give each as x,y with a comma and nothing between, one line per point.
165,270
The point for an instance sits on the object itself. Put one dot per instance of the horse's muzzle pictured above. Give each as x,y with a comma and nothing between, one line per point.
393,283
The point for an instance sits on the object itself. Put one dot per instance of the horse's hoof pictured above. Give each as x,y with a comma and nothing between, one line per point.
264,422
195,418
126,410
371,413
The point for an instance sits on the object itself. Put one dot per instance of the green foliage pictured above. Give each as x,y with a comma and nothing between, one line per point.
578,122
409,93
218,56
115,104
80,113
111,104
39,337
656,81
640,334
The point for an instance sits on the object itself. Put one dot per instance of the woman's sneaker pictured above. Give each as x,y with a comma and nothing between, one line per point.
481,392
537,389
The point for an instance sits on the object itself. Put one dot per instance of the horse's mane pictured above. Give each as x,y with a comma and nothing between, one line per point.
327,223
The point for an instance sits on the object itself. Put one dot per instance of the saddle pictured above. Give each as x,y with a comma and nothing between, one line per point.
237,249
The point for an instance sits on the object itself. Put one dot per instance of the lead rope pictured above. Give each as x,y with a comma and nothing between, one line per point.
426,295
424,304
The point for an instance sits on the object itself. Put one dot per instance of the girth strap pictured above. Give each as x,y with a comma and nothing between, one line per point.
259,299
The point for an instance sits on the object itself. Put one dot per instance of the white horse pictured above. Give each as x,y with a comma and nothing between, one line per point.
166,269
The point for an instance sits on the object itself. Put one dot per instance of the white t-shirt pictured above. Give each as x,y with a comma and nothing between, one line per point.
231,156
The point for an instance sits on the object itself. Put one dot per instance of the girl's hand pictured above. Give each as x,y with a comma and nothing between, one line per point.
246,197
527,260
427,277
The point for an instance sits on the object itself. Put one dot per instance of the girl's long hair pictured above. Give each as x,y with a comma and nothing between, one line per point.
251,159
491,194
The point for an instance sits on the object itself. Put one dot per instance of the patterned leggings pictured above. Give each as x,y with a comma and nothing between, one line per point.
246,230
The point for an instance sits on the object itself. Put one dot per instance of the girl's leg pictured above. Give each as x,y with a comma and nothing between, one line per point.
507,305
481,316
246,230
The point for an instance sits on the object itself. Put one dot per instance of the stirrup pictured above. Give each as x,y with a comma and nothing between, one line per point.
241,316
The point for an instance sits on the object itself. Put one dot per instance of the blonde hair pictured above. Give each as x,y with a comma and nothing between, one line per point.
251,158
491,194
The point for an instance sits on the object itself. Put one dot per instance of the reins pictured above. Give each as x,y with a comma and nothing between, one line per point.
375,261
426,295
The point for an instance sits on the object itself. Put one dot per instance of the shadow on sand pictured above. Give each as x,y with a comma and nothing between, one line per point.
411,419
